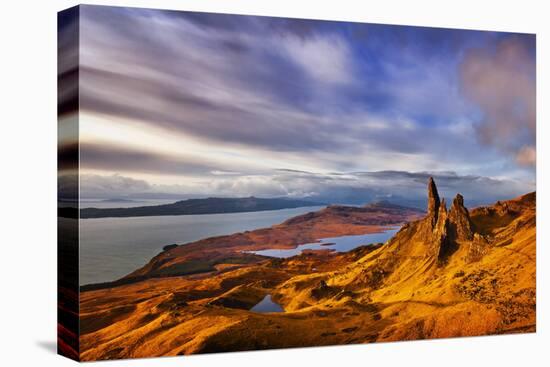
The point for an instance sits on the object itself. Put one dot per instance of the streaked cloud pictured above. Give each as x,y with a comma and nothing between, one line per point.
208,104
119,159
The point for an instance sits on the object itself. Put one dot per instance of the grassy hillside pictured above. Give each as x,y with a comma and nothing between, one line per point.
452,273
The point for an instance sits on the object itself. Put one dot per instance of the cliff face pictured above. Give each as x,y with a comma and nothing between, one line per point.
460,220
433,203
442,232
442,229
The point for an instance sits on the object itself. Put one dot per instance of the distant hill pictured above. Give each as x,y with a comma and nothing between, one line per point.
199,206
117,200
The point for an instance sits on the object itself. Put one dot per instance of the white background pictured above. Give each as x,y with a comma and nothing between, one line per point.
28,182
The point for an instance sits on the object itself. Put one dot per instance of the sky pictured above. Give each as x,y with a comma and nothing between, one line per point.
182,104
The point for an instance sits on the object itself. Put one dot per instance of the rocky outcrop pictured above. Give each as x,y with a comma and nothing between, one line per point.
434,228
444,232
443,241
447,227
433,202
460,220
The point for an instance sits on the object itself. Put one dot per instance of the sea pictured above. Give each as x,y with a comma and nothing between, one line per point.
111,248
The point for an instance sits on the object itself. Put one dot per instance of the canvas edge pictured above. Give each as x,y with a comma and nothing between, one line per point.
68,321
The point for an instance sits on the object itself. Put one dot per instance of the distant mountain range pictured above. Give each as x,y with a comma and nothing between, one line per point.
200,206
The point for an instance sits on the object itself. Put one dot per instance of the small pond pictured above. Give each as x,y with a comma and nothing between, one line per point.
267,305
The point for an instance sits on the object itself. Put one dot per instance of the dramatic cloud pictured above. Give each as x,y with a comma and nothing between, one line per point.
212,104
502,82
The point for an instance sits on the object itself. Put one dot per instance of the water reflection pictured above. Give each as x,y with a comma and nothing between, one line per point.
267,305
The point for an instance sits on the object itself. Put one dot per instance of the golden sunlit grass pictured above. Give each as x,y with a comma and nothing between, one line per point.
398,291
